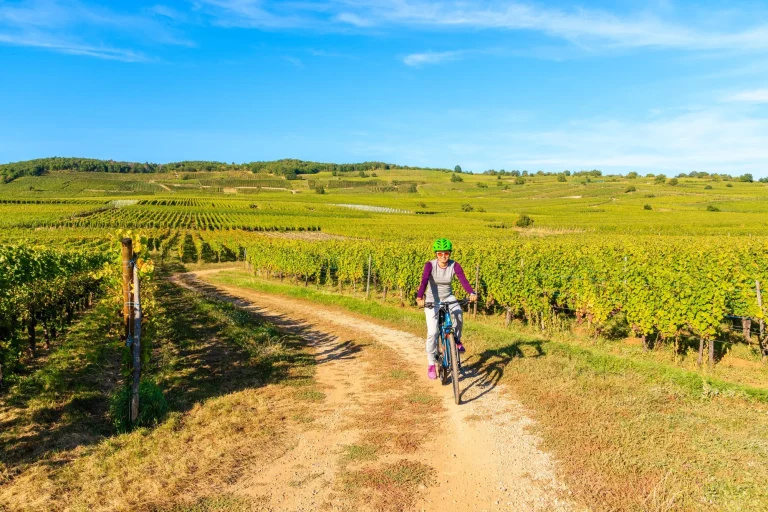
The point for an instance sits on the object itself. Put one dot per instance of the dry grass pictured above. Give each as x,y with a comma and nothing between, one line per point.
232,384
389,487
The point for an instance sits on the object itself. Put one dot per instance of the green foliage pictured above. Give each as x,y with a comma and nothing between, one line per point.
729,185
660,178
708,187
457,169
630,189
455,178
152,407
712,208
561,178
41,286
519,181
673,182
647,207
524,221
482,185
467,207
320,190
285,167
632,175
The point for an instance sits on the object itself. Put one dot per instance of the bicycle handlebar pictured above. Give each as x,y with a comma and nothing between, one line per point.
462,302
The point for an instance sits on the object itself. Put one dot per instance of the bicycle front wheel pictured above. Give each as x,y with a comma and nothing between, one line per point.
454,368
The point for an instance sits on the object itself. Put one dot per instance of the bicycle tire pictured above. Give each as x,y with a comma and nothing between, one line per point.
442,371
454,369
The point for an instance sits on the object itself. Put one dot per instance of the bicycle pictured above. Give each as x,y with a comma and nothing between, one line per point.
446,355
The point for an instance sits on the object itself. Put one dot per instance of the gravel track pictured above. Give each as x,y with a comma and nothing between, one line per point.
485,456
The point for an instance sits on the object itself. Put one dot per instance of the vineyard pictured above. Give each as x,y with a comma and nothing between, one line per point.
42,288
666,278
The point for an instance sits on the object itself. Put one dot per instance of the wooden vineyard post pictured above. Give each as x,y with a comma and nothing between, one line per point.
711,352
761,336
136,346
368,281
701,352
477,286
128,312
127,275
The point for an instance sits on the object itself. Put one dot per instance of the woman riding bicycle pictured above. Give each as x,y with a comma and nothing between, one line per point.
436,281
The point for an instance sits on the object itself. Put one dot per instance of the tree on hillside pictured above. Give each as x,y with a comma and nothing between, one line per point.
457,168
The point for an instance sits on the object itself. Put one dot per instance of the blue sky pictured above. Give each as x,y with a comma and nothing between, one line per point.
619,86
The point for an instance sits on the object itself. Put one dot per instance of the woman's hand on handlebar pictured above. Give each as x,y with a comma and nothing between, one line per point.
472,297
420,302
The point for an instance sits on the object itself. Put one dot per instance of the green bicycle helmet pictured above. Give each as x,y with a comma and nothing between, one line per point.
442,244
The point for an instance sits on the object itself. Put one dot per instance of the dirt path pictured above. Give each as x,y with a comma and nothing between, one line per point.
482,452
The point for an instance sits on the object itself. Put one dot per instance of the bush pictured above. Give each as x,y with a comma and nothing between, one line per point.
455,178
524,221
482,185
152,407
630,188
673,182
467,208
632,175
481,209
660,178
561,178
729,185
647,207
519,181
320,190
708,187
712,208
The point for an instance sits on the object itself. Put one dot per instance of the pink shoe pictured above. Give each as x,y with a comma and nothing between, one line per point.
432,372
460,348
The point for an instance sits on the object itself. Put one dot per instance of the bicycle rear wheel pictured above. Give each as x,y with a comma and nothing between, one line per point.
454,368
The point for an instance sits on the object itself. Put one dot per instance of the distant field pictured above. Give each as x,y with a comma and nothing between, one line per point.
600,205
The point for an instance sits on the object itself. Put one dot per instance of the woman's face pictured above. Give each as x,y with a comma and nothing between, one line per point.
443,257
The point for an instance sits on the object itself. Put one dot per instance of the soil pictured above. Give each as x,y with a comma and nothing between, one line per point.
483,453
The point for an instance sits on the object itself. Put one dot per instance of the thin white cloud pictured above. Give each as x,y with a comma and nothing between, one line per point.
589,27
295,61
419,59
101,52
753,96
66,26
354,19
721,139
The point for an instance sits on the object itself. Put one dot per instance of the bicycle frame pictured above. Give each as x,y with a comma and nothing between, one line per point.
446,327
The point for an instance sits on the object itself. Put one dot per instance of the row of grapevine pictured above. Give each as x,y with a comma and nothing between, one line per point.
44,287
664,286
166,218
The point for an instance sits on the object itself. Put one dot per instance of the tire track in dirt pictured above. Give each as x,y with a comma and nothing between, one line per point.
484,454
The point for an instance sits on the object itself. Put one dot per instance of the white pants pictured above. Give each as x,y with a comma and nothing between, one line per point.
432,327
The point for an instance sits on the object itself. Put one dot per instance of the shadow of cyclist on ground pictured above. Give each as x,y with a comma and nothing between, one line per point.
482,372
